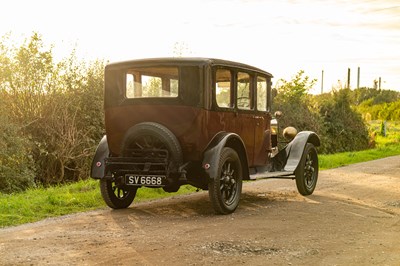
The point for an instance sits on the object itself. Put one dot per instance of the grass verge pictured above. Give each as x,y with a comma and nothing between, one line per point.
346,158
40,203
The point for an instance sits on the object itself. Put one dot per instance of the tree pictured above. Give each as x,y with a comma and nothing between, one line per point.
181,49
298,108
57,107
28,75
331,116
296,89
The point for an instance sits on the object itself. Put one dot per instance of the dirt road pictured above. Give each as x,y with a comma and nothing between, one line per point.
353,218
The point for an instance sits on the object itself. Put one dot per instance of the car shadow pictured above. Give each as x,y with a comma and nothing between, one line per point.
198,204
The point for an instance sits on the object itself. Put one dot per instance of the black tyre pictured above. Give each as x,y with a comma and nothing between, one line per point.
117,196
307,171
149,135
226,188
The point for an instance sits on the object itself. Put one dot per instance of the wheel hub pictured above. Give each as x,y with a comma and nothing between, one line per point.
309,171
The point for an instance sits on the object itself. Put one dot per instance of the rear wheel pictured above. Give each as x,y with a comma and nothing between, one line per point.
226,188
307,171
116,195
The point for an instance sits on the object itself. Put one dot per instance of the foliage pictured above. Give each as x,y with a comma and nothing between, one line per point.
181,49
298,107
376,104
383,129
58,105
374,96
385,146
296,89
344,128
392,131
331,116
16,164
384,111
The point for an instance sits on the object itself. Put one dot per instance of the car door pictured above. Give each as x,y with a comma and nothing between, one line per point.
237,110
244,111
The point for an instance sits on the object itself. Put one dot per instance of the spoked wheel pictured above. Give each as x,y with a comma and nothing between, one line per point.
226,188
154,138
307,171
117,196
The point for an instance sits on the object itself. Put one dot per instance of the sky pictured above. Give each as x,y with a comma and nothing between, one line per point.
281,36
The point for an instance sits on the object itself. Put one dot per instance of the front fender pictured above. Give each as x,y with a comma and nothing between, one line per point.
213,151
295,148
98,164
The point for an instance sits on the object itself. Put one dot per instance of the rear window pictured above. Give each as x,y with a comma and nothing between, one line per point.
152,82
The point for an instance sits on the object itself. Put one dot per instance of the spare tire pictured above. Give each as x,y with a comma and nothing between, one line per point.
148,135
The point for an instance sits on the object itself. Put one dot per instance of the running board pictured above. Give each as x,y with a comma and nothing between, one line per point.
278,174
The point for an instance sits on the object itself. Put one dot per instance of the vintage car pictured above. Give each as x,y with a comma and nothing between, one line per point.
198,121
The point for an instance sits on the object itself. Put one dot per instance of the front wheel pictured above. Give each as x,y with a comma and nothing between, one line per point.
116,196
225,189
307,171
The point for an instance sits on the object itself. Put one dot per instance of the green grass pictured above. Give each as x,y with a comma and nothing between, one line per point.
385,147
346,158
40,203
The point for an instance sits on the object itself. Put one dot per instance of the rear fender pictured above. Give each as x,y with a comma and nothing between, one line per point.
98,163
294,150
213,152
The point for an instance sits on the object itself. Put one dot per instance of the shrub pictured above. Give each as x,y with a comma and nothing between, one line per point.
344,129
59,106
331,116
16,164
298,107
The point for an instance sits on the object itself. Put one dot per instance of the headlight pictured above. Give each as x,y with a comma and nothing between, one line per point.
274,130
274,126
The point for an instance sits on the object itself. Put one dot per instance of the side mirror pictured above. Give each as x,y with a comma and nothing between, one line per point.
278,114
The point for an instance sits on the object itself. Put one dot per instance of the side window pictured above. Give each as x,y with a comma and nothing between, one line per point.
243,95
223,88
261,94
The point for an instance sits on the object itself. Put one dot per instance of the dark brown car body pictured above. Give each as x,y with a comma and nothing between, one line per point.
204,118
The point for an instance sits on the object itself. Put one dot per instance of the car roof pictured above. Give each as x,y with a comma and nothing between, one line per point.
185,61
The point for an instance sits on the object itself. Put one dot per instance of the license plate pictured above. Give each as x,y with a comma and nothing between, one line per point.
145,180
